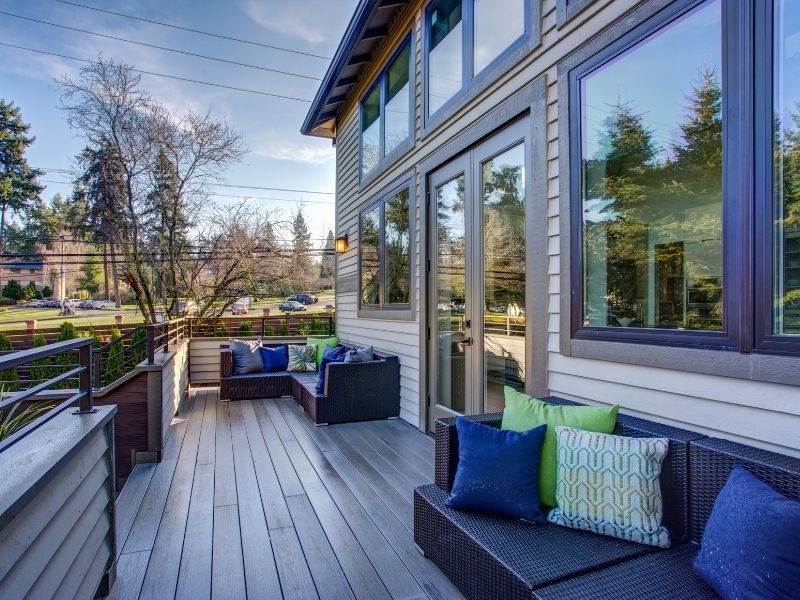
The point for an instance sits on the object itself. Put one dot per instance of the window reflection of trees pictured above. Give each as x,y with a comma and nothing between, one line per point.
396,249
370,257
653,218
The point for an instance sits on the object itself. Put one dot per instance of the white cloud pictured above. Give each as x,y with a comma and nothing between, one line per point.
315,152
321,24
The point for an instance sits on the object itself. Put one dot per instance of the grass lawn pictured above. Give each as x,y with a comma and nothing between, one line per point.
48,318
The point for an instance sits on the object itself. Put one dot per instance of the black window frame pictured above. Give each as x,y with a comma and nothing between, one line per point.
737,90
765,338
473,84
383,309
385,160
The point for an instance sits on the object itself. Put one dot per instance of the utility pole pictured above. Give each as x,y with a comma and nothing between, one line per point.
62,287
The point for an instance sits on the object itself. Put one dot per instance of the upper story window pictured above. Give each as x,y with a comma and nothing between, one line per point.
384,246
685,180
464,37
386,112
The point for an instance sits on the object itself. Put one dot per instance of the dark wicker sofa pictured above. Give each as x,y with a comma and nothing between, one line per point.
494,557
353,391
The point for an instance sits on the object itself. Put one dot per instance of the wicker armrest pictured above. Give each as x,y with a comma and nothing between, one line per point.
225,362
446,457
378,372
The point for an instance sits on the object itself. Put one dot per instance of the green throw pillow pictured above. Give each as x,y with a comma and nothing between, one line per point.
301,358
609,484
320,344
523,413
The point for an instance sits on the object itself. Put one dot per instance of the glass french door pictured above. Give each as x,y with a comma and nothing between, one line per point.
477,279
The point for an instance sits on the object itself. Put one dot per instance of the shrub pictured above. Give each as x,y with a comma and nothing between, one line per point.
245,329
268,331
12,290
10,377
29,292
5,301
221,331
284,329
114,367
67,332
303,327
46,292
138,348
41,369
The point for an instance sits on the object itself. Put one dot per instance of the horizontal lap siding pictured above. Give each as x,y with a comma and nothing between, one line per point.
58,544
174,383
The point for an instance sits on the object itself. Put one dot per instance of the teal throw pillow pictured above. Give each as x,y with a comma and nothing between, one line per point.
302,358
609,484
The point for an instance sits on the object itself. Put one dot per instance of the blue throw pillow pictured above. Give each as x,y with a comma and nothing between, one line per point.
498,471
275,359
751,544
330,355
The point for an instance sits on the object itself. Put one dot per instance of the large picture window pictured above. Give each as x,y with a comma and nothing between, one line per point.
651,156
464,37
384,252
684,180
386,112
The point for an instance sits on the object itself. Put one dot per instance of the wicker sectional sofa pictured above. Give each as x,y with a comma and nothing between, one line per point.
353,391
494,557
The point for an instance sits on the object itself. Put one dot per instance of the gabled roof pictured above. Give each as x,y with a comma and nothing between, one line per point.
367,29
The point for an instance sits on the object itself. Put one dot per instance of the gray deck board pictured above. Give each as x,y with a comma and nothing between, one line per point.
252,501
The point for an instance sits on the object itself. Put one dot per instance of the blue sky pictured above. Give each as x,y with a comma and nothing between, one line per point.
279,156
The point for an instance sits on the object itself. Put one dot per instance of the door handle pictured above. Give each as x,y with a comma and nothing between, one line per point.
465,342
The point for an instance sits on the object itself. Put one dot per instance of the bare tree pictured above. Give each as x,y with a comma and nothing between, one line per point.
166,165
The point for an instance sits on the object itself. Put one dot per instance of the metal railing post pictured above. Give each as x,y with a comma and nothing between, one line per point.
96,364
166,337
151,345
86,403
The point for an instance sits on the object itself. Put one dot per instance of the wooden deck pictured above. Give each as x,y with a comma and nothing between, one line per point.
251,501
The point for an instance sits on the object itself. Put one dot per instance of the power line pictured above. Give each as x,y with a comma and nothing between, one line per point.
250,187
175,50
198,31
132,69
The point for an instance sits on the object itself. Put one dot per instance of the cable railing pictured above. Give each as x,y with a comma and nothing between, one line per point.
314,323
40,409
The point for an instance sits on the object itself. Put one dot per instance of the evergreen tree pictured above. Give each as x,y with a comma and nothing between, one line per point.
221,331
137,351
46,292
29,292
90,278
18,182
245,329
12,290
301,251
41,369
327,265
114,367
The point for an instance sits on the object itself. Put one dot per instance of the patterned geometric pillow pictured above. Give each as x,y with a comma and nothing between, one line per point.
302,358
609,484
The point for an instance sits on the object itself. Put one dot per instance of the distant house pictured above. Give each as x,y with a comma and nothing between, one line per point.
23,272
590,199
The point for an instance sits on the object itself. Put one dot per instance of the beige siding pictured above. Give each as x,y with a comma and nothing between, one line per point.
762,414
174,385
204,357
58,544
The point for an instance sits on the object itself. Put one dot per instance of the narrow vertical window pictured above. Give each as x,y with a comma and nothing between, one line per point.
370,256
786,96
398,102
371,130
396,239
651,161
497,24
445,59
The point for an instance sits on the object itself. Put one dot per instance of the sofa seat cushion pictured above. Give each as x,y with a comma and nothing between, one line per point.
262,375
524,556
663,575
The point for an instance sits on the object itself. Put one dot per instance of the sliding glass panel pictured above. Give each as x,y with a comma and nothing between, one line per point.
397,102
396,249
451,293
370,130
370,256
498,23
445,58
651,134
503,194
787,167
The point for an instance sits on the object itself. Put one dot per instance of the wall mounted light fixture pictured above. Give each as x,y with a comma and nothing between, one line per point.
341,244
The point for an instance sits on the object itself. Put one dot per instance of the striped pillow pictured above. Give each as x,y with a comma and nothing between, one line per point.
609,484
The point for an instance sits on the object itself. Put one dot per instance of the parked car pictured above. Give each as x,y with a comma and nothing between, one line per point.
85,304
291,306
102,304
239,309
184,308
304,298
34,304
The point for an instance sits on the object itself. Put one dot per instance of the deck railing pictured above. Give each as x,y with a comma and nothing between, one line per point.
314,323
80,371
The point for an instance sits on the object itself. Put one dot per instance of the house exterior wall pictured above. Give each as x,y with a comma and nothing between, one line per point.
765,414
